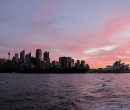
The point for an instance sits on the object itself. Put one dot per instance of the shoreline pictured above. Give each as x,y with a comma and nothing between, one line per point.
61,73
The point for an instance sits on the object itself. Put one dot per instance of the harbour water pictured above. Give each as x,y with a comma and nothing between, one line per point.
64,91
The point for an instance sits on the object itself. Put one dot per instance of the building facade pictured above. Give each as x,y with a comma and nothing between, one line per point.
65,62
28,59
82,63
22,56
39,54
46,59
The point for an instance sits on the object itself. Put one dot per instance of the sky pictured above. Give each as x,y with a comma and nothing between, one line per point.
97,31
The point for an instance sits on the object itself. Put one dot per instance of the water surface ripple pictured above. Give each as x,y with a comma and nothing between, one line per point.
64,91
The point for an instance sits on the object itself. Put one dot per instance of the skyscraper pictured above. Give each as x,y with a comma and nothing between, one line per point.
38,58
46,59
16,57
22,56
28,58
46,56
15,60
72,63
39,54
65,62
77,65
82,63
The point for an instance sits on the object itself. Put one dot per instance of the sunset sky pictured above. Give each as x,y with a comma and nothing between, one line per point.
97,31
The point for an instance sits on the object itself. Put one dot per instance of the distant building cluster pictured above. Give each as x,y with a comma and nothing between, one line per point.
40,61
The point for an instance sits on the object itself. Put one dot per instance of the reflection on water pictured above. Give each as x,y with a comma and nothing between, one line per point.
64,92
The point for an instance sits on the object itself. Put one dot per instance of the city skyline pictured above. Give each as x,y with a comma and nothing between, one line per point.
41,63
96,31
27,59
39,54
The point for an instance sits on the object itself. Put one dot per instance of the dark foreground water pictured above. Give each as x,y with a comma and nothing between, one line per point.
64,92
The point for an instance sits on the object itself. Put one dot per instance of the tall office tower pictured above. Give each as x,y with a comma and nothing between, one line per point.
46,59
82,63
28,59
46,56
65,62
39,54
22,56
15,60
38,58
16,57
77,64
72,63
